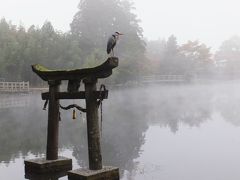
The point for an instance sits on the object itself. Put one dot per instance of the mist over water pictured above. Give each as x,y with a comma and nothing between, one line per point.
173,106
154,132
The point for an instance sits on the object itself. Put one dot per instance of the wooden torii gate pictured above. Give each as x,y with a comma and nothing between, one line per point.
89,76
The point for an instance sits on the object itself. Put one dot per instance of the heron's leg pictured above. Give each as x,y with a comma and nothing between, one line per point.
113,52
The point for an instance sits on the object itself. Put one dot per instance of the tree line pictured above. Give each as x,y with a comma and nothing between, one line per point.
85,46
195,59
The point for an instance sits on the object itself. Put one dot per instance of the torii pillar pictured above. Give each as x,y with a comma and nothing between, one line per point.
54,163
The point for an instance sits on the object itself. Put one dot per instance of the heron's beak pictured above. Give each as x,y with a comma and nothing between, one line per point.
121,34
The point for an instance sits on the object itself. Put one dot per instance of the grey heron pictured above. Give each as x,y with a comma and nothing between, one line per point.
112,42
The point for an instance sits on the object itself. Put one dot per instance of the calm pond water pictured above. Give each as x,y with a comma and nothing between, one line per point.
163,132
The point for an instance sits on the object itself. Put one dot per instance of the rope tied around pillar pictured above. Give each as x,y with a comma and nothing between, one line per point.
45,105
99,102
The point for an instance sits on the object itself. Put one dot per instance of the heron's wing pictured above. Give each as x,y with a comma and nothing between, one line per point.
110,44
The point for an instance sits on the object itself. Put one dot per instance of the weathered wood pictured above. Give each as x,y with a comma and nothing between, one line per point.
53,121
93,132
75,95
102,71
73,85
74,77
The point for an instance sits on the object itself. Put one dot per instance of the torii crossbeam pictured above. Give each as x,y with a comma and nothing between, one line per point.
89,77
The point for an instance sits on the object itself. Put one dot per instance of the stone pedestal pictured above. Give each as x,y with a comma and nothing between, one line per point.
41,165
106,173
45,176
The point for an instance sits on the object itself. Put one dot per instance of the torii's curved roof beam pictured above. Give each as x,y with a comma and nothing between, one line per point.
102,71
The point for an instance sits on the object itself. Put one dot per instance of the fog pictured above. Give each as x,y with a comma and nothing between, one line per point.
210,22
173,105
148,132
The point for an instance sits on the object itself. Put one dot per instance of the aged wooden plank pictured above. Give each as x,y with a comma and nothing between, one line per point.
76,95
102,71
93,130
53,121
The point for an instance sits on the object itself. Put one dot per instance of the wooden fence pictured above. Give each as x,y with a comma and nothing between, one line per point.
164,78
14,86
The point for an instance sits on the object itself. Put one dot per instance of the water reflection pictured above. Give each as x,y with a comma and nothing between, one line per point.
228,104
175,105
21,132
127,116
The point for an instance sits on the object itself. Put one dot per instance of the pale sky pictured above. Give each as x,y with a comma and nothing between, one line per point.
209,21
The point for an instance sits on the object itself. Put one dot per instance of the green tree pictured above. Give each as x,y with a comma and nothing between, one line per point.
228,56
155,54
96,20
10,50
20,48
166,57
198,58
171,61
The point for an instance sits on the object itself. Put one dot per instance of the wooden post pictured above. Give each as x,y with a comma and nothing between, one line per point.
53,121
90,76
52,163
93,132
